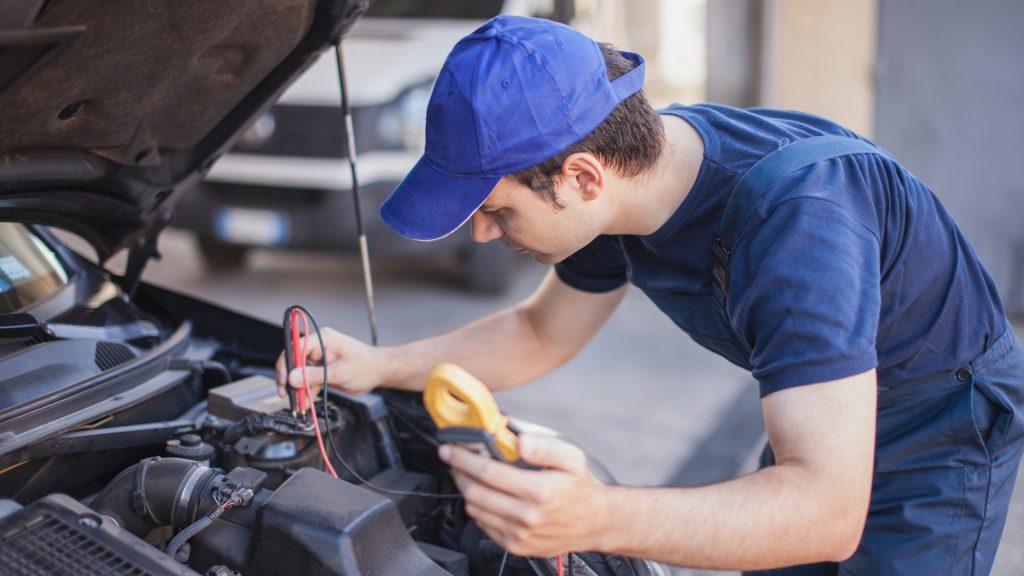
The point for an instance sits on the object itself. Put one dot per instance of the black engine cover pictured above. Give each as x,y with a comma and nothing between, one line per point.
316,525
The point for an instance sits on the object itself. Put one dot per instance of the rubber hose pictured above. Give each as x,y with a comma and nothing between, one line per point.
152,493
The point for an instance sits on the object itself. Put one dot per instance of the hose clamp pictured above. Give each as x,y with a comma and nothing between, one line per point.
180,515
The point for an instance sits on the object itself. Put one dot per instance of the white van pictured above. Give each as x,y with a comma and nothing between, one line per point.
286,184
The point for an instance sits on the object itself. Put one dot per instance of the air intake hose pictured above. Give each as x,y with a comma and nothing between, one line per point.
158,492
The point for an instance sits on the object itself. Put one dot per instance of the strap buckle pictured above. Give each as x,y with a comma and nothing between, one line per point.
721,254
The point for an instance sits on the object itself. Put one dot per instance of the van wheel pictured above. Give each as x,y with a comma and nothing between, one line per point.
221,257
488,267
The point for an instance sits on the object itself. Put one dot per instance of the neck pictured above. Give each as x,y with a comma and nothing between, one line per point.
649,200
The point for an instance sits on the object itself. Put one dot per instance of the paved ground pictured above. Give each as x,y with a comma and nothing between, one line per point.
643,398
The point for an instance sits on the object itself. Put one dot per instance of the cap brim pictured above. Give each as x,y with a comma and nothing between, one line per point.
429,204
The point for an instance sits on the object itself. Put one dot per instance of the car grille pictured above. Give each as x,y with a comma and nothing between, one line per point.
47,545
58,536
317,132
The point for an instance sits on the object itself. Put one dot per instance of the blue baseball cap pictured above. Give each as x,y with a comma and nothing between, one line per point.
514,93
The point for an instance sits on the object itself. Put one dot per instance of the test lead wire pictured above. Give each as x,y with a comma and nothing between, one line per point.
350,140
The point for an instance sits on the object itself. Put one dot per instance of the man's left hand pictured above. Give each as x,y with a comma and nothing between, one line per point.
540,513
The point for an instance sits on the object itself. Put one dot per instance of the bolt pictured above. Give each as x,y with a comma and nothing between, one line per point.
89,522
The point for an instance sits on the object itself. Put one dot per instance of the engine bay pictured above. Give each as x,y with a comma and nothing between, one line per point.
144,434
275,511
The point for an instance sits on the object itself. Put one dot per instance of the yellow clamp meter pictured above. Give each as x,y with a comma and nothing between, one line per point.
465,412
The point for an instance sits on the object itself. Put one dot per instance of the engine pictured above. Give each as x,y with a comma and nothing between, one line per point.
242,491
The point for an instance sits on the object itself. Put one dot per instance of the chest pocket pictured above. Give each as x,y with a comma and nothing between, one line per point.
706,317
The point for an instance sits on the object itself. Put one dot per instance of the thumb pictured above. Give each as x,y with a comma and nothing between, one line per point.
552,453
314,375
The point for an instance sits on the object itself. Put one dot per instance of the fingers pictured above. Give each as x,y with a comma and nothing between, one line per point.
314,375
505,517
498,529
482,467
282,376
551,453
482,497
351,365
498,475
312,347
519,515
314,355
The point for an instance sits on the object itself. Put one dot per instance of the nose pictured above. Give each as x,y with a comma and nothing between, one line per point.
484,227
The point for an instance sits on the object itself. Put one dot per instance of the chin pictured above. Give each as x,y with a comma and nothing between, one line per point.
548,258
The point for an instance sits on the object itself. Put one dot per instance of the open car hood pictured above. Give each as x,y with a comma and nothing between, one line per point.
110,111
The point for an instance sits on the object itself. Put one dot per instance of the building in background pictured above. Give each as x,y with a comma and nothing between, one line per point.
670,34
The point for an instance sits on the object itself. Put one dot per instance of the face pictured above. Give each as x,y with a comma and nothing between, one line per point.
527,223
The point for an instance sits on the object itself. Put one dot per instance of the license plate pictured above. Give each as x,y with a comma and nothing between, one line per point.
251,226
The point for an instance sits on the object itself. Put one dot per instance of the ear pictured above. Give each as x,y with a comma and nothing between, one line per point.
584,173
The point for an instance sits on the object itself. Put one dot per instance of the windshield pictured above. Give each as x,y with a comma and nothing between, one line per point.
29,270
474,9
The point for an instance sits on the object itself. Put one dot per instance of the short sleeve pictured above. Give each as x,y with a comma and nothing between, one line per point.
804,294
598,267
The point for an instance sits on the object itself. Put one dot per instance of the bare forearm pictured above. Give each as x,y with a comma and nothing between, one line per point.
502,350
810,507
779,516
513,346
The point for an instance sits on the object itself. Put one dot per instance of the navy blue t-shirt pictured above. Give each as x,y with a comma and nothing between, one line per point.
853,264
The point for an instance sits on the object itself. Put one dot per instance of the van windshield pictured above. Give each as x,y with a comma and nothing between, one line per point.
471,9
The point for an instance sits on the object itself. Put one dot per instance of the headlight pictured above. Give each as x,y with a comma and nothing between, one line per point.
402,123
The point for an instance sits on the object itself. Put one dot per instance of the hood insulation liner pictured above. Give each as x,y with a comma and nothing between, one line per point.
125,79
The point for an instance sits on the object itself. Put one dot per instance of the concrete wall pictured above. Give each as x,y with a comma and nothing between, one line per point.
734,52
950,91
819,56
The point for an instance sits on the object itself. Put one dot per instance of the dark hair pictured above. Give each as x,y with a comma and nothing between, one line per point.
629,140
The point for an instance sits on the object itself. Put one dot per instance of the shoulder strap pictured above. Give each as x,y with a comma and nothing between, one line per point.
752,186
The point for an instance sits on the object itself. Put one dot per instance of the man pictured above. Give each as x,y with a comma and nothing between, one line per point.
826,268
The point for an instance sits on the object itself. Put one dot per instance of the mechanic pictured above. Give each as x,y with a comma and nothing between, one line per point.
891,382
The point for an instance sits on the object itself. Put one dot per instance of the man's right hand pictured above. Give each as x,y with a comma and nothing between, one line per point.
352,366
